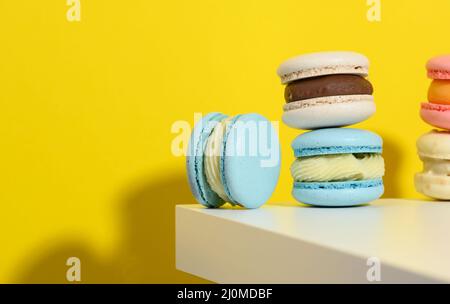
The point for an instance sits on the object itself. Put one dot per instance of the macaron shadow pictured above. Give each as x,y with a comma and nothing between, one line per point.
331,207
392,162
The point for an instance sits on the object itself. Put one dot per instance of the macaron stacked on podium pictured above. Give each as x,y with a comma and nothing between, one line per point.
434,147
335,166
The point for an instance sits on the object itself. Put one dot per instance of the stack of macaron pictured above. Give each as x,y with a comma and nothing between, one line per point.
434,147
334,166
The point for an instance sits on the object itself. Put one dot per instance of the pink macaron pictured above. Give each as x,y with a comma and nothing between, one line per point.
439,67
437,115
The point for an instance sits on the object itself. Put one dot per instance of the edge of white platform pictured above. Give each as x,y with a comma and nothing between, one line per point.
226,250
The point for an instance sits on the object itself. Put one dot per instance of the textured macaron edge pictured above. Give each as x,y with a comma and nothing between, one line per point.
438,74
197,144
329,116
434,186
435,107
339,185
326,70
304,152
326,100
339,194
424,150
439,67
436,115
199,161
435,155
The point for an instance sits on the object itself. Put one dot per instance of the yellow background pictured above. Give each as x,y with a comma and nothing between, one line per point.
87,108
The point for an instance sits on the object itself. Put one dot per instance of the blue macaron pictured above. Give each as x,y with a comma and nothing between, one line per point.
248,160
337,141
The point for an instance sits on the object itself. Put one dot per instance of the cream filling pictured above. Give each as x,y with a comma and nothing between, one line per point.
436,166
211,161
338,167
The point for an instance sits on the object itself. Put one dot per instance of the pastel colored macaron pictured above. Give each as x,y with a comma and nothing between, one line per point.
437,115
233,160
337,167
439,67
436,111
439,92
434,151
326,89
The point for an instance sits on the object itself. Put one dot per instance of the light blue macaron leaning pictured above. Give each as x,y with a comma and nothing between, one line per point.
349,158
233,159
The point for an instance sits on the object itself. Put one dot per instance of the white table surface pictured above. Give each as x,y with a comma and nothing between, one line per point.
298,244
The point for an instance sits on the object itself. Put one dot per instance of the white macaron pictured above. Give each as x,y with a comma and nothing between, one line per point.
327,95
434,151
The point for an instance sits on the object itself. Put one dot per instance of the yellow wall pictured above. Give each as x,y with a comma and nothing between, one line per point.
86,109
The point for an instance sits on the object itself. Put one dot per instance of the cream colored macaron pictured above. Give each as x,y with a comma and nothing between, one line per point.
326,89
434,151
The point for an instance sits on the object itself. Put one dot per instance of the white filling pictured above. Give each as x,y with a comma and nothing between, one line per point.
211,162
436,166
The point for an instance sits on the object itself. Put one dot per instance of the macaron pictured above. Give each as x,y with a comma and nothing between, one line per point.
439,67
337,167
326,89
434,151
436,111
233,160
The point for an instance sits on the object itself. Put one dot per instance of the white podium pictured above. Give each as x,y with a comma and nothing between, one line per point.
397,241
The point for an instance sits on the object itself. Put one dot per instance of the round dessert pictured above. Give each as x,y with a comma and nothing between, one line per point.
326,89
439,67
437,115
233,159
337,167
434,151
436,111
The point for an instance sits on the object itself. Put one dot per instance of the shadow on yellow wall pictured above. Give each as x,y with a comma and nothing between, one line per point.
393,162
147,253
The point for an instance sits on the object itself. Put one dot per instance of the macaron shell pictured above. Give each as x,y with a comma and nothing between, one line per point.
194,161
339,194
439,92
326,100
436,115
434,144
439,67
338,112
323,63
435,74
336,141
434,186
250,173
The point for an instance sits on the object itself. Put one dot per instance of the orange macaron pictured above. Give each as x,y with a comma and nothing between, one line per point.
439,92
